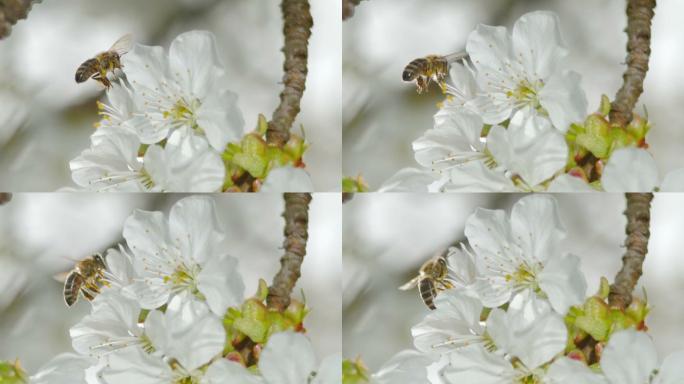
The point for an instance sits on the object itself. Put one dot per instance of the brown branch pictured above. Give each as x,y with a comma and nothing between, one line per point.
348,8
296,216
12,11
296,30
638,214
5,197
639,15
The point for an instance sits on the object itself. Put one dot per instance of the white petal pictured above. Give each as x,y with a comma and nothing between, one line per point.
287,359
568,183
489,47
406,367
220,282
630,170
563,282
150,292
409,180
673,181
195,228
109,164
475,365
223,371
493,108
330,371
568,371
186,163
67,368
672,370
454,134
528,330
629,358
537,42
563,98
475,176
220,118
119,267
133,365
147,237
463,81
193,59
145,67
530,147
462,266
114,320
287,179
188,332
454,323
536,227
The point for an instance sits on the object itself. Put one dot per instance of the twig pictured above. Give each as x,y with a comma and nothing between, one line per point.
348,8
638,214
296,30
12,11
296,216
639,15
5,197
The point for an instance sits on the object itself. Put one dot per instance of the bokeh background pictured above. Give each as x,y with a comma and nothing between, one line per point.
46,118
41,233
388,236
382,115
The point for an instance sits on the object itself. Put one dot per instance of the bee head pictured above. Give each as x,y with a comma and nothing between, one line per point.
408,75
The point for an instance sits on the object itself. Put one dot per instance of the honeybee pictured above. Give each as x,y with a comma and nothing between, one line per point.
105,62
430,68
431,279
87,277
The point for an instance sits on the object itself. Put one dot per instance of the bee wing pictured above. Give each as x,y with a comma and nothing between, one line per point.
411,284
123,45
456,56
61,277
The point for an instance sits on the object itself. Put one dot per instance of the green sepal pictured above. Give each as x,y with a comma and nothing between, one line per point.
354,372
12,373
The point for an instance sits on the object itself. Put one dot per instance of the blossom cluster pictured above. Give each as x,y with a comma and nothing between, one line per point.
171,311
518,314
515,119
173,124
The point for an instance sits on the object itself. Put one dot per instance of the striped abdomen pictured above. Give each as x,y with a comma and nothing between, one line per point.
72,287
426,66
428,291
414,69
87,69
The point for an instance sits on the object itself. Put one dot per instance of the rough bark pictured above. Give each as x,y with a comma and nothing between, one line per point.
296,216
639,15
296,30
638,214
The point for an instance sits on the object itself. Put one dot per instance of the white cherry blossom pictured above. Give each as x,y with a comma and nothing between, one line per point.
524,70
112,163
522,253
185,253
186,88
